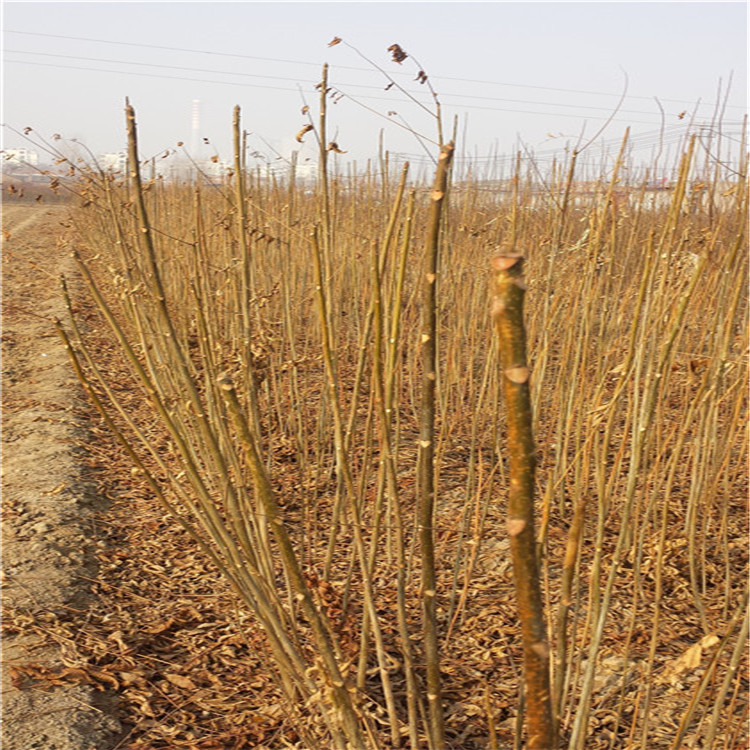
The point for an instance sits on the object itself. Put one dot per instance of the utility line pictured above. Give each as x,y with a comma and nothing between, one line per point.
148,75
548,155
280,88
347,85
347,67
170,67
669,134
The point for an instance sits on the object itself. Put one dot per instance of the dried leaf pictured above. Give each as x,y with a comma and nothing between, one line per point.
690,659
130,678
181,681
56,490
162,626
105,677
117,637
302,132
397,54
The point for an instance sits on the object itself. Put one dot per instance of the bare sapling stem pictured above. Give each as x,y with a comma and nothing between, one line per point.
507,312
388,462
288,661
324,189
739,652
344,471
339,690
572,548
144,226
248,281
740,616
239,192
426,452
644,420
561,219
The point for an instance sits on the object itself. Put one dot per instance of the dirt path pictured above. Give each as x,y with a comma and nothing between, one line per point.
47,548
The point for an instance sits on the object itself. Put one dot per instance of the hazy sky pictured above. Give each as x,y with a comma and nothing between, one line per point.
529,72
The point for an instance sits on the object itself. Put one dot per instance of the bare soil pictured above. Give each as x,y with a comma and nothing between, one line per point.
48,503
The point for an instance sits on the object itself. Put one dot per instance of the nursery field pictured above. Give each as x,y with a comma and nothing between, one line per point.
293,405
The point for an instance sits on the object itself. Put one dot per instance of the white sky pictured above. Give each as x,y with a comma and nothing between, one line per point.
513,72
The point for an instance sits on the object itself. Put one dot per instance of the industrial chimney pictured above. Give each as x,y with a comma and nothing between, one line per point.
194,133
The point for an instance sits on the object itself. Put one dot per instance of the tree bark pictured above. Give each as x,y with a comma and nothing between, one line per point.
507,314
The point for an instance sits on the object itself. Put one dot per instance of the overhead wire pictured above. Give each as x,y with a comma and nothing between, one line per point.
343,67
672,134
287,78
341,90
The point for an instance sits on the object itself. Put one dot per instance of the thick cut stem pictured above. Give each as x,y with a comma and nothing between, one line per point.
426,479
507,312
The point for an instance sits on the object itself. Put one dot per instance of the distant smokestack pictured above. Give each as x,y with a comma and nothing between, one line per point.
194,138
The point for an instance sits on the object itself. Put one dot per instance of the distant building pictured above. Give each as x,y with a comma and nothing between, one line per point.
17,157
307,171
215,169
113,162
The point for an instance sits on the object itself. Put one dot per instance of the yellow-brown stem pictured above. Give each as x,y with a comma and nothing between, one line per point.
507,313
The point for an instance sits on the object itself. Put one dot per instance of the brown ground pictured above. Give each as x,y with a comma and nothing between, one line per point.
47,504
